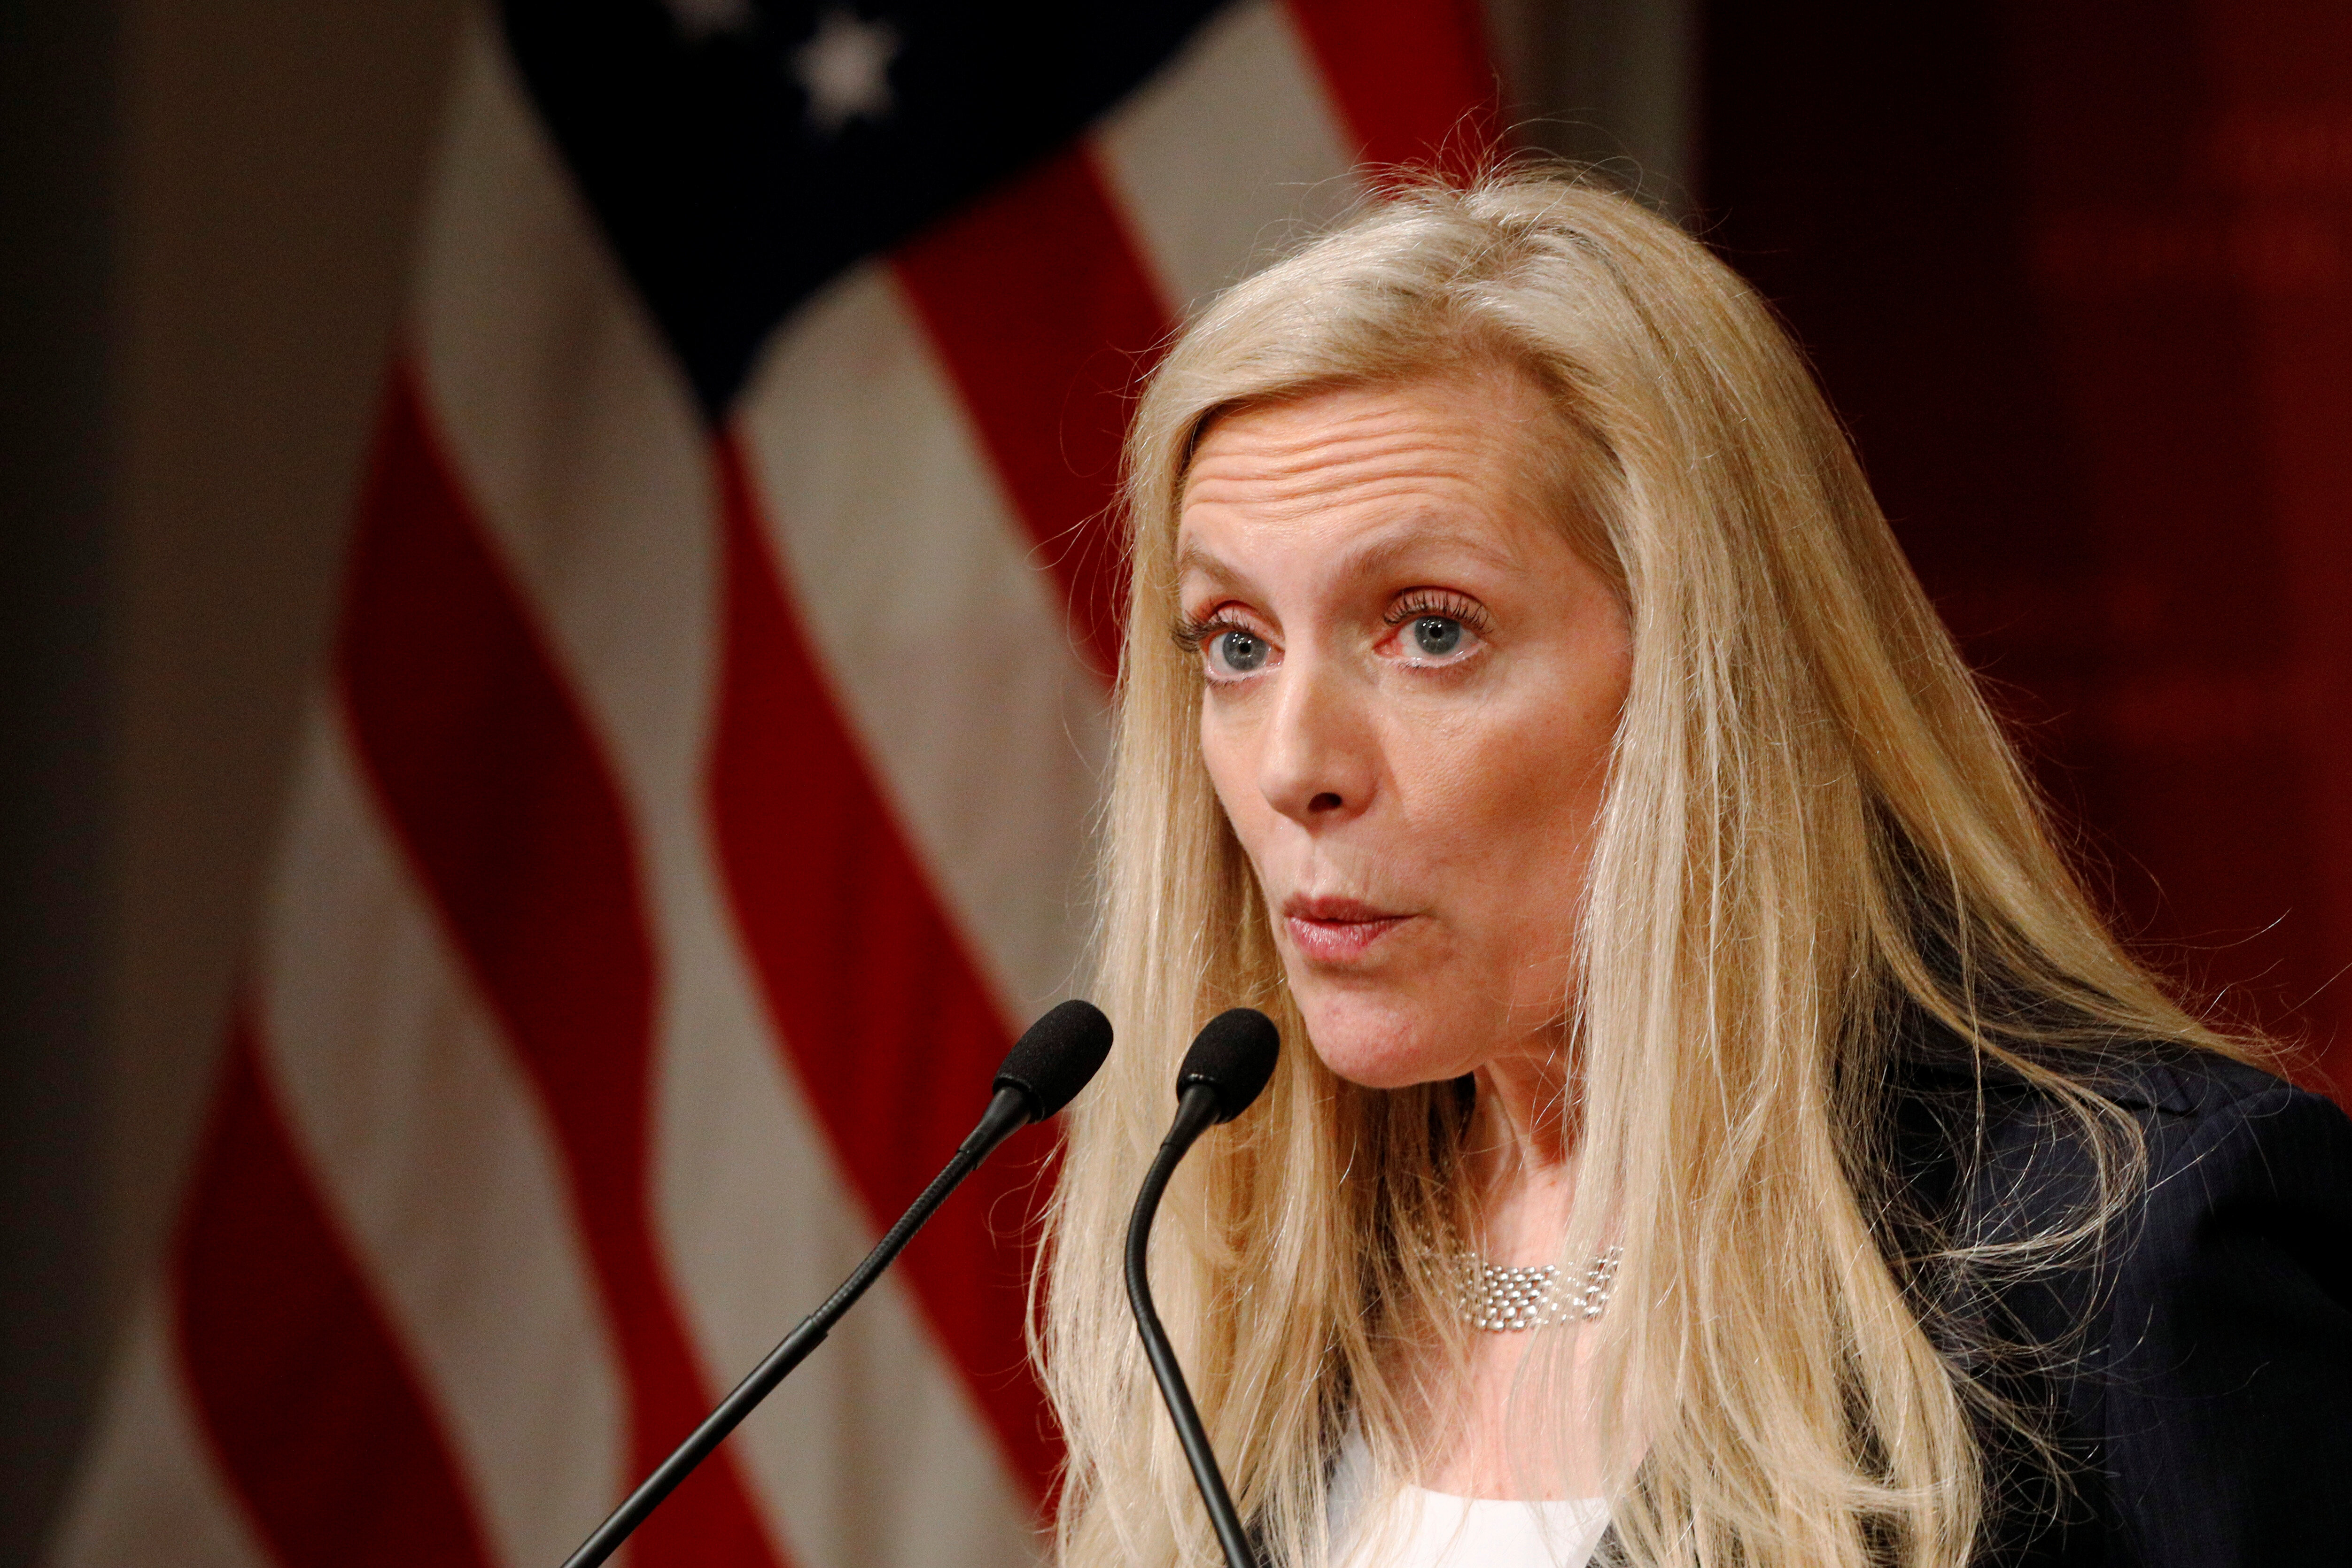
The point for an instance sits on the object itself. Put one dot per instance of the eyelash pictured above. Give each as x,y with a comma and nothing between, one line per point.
1423,601
1192,632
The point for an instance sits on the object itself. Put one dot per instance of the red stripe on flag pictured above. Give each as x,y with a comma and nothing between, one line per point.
295,1373
879,1006
491,779
1412,77
1047,322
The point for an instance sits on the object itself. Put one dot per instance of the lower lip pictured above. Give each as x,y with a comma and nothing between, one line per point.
1338,941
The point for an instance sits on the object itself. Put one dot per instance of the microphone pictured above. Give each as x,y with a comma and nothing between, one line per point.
1230,1061
1043,1072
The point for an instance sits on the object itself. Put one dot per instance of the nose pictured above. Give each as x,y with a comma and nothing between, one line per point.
1320,756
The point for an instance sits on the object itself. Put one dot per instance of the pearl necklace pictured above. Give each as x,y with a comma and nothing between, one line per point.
1502,1299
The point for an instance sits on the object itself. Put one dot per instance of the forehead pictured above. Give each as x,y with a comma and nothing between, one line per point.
1486,415
1439,453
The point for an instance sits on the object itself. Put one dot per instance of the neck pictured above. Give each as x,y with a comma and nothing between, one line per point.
1523,1148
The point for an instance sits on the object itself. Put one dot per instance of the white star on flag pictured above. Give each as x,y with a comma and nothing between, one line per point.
845,69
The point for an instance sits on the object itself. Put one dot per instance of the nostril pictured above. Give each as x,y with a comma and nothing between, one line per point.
1326,801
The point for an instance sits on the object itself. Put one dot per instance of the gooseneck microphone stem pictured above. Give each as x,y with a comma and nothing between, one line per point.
1007,1114
1196,1111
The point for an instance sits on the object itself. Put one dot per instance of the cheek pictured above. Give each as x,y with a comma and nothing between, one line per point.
1510,808
1232,764
1500,785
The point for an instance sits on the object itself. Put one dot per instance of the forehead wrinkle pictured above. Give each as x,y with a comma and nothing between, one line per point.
1282,459
1307,495
1317,464
1380,548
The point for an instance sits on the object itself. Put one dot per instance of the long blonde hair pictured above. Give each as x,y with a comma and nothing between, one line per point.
1812,824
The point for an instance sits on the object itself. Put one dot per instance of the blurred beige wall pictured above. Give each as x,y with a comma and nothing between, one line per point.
206,235
1612,82
272,153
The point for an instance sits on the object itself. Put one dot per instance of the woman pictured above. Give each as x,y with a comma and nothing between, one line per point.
1528,705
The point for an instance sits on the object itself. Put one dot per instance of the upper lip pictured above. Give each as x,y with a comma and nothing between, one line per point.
1335,910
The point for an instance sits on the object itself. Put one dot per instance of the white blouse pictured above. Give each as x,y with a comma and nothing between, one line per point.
1434,1530
1420,1529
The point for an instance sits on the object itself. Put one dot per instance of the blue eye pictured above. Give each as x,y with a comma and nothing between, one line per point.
1434,636
1239,651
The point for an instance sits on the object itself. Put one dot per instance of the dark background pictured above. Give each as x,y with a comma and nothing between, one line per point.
2075,272
2075,276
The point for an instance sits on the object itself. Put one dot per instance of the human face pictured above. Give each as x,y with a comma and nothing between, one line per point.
1411,685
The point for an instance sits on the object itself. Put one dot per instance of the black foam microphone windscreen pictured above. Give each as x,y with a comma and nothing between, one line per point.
1055,1058
1234,1054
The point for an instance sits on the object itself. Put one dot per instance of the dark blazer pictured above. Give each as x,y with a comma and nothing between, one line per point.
2197,1368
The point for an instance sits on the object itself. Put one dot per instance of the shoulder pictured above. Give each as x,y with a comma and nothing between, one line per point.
2224,1363
2205,1334
2244,1208
2207,1123
2220,1131
2224,1148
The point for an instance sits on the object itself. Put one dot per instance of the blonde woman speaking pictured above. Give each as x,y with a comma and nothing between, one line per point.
1718,1128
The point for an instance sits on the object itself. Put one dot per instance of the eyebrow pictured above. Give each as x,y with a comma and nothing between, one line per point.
1192,558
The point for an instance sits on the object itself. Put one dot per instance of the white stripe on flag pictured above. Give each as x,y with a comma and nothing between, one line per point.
434,1154
572,430
1226,155
932,613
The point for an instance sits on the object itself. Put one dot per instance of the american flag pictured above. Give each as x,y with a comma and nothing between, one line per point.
698,797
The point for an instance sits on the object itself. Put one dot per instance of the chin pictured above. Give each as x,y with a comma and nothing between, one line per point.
1382,1044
